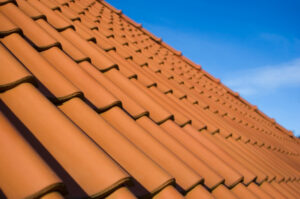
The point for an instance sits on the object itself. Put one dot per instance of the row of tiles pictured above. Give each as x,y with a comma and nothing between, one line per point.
75,105
54,51
40,15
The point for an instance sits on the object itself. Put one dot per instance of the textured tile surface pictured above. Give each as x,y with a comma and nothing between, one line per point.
94,105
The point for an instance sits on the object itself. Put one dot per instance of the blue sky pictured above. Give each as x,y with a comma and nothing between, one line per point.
252,46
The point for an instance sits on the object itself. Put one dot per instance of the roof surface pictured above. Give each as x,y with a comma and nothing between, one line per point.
94,105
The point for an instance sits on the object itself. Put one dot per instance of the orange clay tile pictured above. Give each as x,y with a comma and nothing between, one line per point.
290,189
157,112
121,193
295,186
87,35
29,10
42,119
260,176
258,191
122,150
74,6
179,118
231,176
52,195
3,2
198,119
94,92
221,192
168,192
53,19
123,65
35,178
45,73
282,173
30,29
134,109
185,177
91,24
97,58
248,175
52,4
199,192
212,179
124,53
284,191
12,72
6,26
67,46
127,100
143,77
107,44
69,13
268,188
261,165
242,192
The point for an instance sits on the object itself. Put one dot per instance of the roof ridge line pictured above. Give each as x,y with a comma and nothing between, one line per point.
191,63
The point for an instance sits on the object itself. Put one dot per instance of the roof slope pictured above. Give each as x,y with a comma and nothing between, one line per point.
93,105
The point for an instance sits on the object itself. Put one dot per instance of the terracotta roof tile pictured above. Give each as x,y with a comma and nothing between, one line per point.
96,55
94,182
39,67
231,176
12,72
7,27
95,93
88,35
168,192
67,46
35,178
52,4
157,112
248,175
69,13
246,162
289,188
258,191
29,10
285,191
222,192
179,117
212,178
134,109
55,20
272,191
52,195
120,149
161,155
242,192
3,2
121,193
199,192
98,106
31,30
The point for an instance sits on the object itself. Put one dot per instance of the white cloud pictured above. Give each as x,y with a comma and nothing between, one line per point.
265,79
274,38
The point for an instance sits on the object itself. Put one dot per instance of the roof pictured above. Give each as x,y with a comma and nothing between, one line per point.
94,105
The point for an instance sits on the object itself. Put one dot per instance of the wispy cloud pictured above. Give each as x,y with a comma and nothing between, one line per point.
271,37
265,79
